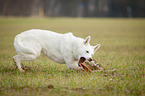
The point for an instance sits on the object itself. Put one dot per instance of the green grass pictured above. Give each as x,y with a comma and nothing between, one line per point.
123,48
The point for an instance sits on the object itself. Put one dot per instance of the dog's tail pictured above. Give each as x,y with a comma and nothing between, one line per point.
21,48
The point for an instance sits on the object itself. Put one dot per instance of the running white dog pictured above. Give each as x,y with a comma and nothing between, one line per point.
61,48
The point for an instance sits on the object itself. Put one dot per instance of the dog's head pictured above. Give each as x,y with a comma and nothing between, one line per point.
86,51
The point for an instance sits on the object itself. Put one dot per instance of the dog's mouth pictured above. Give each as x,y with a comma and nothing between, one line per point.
82,59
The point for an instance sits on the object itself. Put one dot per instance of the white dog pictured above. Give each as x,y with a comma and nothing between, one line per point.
61,48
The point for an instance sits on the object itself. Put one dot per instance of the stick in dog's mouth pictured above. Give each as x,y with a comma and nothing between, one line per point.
82,59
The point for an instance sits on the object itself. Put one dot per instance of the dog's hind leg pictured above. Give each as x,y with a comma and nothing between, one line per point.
25,57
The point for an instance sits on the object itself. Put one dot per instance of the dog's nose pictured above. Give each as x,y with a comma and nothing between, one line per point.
90,59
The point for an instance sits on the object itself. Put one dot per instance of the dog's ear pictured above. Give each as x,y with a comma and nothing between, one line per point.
96,47
87,40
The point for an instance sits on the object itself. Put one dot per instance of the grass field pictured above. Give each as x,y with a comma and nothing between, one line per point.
123,49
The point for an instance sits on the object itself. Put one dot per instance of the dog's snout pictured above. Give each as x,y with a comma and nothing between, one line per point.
90,59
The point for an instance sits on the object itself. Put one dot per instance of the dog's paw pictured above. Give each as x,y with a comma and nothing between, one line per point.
21,70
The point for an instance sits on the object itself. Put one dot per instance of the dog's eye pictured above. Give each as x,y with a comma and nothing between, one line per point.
87,51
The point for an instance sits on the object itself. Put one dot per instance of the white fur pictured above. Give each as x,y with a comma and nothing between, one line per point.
61,48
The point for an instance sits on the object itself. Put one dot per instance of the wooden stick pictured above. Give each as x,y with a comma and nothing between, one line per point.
86,68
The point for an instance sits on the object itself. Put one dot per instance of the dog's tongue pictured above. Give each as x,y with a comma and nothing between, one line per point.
82,59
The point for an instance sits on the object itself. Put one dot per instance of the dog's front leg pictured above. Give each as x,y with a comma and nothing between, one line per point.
70,61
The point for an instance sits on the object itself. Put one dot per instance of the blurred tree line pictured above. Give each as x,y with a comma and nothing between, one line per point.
73,8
